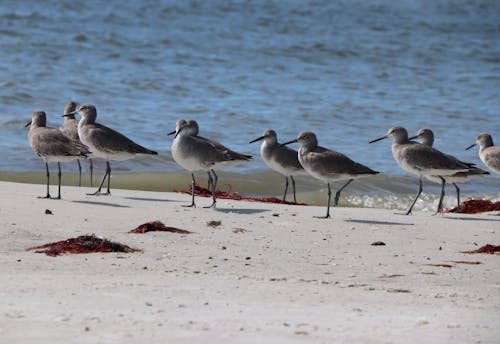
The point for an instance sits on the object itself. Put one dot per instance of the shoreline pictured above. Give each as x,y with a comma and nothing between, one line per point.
383,191
288,278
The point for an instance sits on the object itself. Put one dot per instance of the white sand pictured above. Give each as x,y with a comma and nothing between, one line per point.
305,279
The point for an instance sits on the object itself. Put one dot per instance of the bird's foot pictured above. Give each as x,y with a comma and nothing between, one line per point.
210,206
439,212
404,214
99,193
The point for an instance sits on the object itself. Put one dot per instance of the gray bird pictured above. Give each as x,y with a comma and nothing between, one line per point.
105,143
281,159
422,160
53,146
328,165
426,137
196,153
489,153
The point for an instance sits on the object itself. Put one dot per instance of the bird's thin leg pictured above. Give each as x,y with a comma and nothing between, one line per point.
108,171
458,197
47,174
441,197
337,194
416,197
193,183
328,204
293,186
59,177
210,181
214,200
286,187
91,171
98,192
79,172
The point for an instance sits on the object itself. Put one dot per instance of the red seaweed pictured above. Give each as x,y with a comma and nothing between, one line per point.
240,230
82,244
203,192
157,226
487,249
440,265
474,206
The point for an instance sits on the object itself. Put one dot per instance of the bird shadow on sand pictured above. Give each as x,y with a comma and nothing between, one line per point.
151,199
103,203
372,222
240,210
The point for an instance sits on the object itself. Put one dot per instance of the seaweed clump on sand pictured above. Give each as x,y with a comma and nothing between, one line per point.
157,226
487,249
474,206
203,192
83,244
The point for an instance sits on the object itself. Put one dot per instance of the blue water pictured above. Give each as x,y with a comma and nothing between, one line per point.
347,70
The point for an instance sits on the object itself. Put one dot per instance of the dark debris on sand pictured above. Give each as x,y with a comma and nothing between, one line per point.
157,226
82,244
203,192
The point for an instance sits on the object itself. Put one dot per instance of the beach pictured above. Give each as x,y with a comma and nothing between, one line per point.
268,273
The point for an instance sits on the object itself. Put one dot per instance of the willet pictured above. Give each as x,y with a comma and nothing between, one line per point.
70,129
489,154
422,160
53,146
105,142
328,165
426,137
281,159
237,158
196,154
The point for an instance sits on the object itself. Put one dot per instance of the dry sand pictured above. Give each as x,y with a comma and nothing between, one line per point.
289,278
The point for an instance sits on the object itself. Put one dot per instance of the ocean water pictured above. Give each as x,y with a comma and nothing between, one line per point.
347,70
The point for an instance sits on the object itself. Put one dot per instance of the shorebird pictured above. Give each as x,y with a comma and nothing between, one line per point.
105,143
426,137
328,165
489,154
422,160
53,146
281,159
237,158
70,129
195,153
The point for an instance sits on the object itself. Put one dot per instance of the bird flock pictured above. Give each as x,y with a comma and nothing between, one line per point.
88,139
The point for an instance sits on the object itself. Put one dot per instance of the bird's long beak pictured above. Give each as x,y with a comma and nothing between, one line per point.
27,124
257,139
379,139
71,113
472,145
178,132
171,133
287,143
411,138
